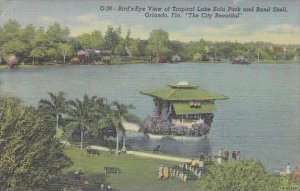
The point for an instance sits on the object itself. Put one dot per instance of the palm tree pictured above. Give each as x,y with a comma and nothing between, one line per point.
85,114
117,123
56,105
100,113
79,112
120,112
104,122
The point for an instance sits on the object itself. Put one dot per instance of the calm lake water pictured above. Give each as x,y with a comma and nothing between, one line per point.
261,118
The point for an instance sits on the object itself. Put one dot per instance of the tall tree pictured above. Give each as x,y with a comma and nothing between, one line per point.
53,53
92,40
13,47
65,50
119,112
79,116
27,34
1,38
11,30
158,39
40,38
11,40
111,39
31,157
57,34
37,53
57,105
97,39
39,45
127,39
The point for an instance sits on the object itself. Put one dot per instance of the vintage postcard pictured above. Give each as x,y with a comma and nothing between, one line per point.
148,95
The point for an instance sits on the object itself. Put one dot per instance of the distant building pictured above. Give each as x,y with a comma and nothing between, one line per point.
181,110
175,58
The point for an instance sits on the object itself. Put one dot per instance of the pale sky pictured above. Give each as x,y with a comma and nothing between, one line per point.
83,16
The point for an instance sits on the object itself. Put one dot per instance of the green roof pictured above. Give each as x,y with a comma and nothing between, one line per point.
183,93
188,86
184,108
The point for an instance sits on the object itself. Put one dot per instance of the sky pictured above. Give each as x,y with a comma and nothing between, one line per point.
82,16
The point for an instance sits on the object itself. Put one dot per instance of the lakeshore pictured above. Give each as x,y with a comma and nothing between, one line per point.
50,65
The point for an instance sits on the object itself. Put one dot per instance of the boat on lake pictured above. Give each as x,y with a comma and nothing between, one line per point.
239,60
181,110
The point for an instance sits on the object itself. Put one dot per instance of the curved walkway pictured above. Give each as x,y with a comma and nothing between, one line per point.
148,155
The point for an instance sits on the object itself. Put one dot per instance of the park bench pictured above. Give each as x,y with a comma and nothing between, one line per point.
112,170
156,149
91,151
190,177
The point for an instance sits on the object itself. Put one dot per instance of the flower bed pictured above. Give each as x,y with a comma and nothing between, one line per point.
159,126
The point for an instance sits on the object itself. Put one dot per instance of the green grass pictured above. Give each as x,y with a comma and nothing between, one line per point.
138,173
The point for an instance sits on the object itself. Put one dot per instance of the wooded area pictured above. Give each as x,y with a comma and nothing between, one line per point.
31,45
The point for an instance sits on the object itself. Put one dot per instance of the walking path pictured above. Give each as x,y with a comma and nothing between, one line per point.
148,155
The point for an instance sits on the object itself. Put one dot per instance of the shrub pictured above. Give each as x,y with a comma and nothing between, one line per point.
12,61
246,175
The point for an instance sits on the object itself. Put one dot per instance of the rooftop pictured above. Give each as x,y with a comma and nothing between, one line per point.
183,91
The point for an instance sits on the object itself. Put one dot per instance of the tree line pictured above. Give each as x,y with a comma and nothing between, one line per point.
32,156
93,114
28,44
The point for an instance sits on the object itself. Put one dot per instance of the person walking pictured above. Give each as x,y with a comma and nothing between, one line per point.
220,152
296,174
165,172
288,169
233,155
209,157
160,172
226,155
220,157
201,164
202,157
238,156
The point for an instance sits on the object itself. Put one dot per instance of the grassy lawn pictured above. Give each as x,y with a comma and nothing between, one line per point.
137,173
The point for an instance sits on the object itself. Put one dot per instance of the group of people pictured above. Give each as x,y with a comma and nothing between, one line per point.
295,174
201,162
193,169
223,155
163,172
185,171
79,175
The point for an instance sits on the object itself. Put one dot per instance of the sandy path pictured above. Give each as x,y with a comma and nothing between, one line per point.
148,155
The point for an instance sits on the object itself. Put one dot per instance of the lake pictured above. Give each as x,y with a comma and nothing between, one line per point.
260,118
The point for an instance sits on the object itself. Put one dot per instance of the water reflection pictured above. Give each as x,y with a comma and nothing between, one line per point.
187,147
